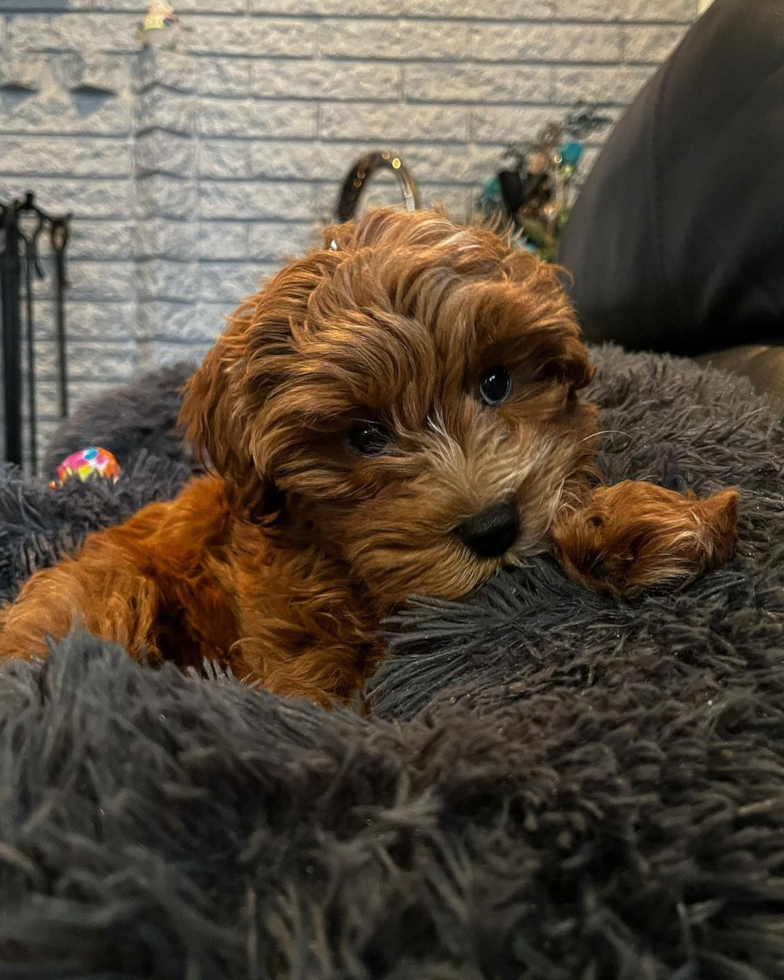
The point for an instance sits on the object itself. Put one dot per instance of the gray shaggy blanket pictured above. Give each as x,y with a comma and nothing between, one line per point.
553,785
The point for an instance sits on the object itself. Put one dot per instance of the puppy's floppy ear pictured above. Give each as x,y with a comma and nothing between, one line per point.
550,336
223,409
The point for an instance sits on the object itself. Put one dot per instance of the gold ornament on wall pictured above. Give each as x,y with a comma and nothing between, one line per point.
159,14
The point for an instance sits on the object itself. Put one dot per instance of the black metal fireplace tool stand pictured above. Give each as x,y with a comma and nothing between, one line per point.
22,225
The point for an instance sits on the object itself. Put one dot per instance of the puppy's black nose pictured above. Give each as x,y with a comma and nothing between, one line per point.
492,532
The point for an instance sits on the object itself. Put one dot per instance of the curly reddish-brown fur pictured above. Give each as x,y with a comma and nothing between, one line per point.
634,535
282,564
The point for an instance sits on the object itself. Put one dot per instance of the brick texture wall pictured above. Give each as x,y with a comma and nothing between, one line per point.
196,164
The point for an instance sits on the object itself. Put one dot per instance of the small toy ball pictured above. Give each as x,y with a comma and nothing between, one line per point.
87,463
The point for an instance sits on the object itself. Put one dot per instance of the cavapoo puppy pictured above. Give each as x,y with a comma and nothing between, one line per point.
397,413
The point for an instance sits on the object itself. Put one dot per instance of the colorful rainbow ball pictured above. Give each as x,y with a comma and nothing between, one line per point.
86,463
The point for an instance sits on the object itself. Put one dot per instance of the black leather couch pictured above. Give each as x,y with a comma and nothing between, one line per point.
676,242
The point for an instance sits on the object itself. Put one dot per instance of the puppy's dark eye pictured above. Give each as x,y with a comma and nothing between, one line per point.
495,386
368,438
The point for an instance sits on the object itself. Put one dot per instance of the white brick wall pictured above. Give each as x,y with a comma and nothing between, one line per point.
196,165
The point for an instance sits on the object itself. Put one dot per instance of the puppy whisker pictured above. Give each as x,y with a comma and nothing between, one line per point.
604,432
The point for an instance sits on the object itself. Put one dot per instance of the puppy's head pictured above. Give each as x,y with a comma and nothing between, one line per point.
406,397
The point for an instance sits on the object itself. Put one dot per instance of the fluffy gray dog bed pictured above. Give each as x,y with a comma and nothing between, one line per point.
141,416
553,785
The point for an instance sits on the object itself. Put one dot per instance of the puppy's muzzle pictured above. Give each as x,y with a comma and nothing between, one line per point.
491,533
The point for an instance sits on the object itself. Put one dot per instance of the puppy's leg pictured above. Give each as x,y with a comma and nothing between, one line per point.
634,535
104,588
148,584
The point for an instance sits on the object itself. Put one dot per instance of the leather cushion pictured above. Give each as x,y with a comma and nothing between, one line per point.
676,242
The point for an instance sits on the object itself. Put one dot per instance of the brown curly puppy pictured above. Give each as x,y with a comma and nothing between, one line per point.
396,413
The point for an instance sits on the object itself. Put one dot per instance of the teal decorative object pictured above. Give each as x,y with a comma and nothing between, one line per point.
534,191
570,153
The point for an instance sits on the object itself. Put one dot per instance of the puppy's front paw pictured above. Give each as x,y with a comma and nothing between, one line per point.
634,535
